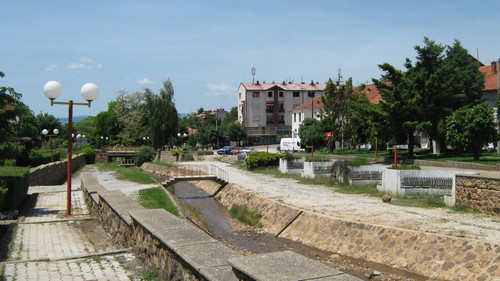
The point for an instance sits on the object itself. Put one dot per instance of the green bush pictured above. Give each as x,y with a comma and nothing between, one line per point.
289,156
317,159
244,215
16,179
359,161
145,154
89,154
406,167
3,192
38,157
262,159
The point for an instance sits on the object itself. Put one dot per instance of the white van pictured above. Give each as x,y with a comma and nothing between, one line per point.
289,144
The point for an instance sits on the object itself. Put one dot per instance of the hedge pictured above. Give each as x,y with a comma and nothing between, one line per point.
262,159
16,180
37,157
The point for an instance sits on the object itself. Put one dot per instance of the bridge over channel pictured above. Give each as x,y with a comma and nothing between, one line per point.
196,173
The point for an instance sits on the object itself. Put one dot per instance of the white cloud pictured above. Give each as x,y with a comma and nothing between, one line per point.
51,67
219,89
144,81
84,62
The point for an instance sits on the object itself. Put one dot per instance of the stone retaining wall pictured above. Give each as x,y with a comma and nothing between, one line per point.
459,165
177,250
55,172
432,255
478,193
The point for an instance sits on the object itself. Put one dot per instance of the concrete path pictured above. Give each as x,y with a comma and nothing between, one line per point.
47,245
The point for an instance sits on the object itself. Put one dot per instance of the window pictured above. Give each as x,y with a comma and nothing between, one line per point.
255,118
239,94
270,94
296,94
255,94
300,116
256,105
310,94
281,94
294,117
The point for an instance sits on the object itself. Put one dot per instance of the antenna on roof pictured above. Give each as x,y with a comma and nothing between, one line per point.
339,79
253,74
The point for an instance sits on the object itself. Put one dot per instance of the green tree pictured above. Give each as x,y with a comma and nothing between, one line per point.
365,122
236,132
338,108
312,132
106,125
131,116
162,114
48,121
471,128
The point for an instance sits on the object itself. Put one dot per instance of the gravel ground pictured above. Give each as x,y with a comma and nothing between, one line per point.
363,208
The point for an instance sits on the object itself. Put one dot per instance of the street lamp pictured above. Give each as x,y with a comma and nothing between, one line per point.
89,92
182,136
103,141
45,133
146,140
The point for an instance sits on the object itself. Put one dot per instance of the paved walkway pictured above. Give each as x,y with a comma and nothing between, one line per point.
47,245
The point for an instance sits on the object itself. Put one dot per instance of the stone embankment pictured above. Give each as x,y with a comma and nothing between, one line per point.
478,193
55,172
433,255
177,250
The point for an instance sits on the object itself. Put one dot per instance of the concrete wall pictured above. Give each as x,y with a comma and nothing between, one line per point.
478,193
55,172
458,165
392,181
432,255
296,167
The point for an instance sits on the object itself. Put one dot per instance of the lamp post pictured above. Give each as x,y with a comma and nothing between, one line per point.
89,92
103,141
45,133
181,136
146,140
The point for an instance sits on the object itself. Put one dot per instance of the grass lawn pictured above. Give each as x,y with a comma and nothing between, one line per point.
156,198
133,174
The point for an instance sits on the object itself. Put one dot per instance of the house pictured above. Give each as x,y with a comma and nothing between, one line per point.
265,109
491,83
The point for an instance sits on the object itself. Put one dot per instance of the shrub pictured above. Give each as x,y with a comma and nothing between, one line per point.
406,167
145,154
317,159
16,179
261,159
244,215
89,154
38,157
359,161
289,156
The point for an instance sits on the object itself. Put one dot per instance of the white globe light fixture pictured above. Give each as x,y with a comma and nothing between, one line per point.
90,92
45,131
56,131
52,90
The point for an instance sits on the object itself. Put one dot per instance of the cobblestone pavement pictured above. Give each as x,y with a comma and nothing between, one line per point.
47,245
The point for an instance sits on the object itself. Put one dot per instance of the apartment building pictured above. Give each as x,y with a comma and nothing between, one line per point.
265,109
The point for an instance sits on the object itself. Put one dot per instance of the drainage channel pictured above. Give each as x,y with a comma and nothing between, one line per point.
217,222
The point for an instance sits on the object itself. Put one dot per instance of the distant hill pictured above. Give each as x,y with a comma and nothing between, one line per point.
75,119
78,118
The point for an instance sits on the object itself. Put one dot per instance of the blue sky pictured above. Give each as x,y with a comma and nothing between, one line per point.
207,48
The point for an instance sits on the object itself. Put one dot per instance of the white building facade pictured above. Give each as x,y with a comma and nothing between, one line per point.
265,109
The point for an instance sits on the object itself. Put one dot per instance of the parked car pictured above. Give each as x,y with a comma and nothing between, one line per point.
225,150
247,150
236,150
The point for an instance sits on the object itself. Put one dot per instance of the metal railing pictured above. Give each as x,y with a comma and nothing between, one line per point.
199,170
367,175
427,182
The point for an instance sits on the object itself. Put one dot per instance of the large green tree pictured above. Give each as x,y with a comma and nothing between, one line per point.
469,129
162,114
312,132
131,116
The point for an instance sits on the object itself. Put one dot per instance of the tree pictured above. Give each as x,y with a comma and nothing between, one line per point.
47,121
106,125
312,132
337,110
236,132
162,114
471,128
365,122
130,113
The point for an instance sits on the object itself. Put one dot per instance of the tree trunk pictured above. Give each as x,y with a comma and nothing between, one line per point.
411,143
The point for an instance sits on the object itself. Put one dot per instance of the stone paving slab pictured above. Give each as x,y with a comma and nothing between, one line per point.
102,268
292,266
52,206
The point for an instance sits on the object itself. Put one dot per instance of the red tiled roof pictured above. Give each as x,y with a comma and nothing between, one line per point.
490,76
285,86
318,103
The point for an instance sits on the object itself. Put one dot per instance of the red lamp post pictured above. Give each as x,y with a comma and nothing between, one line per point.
89,92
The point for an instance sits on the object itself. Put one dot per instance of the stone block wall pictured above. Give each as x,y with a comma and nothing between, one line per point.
435,256
478,193
56,172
